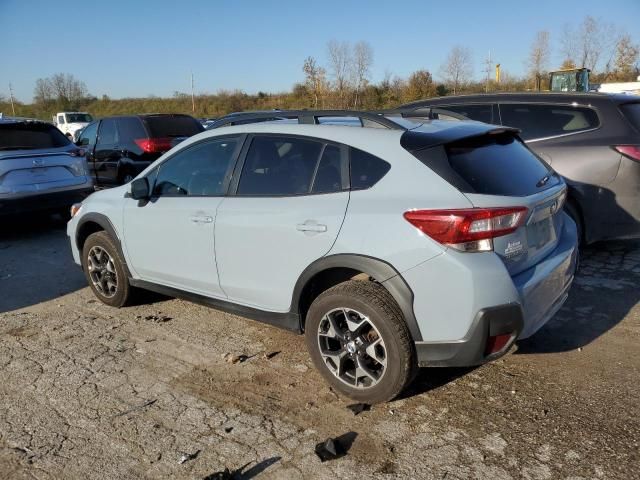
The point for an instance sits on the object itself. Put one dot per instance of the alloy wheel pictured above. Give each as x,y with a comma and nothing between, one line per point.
102,271
352,348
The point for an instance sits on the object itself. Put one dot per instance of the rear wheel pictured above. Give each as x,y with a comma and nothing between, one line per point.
359,341
104,269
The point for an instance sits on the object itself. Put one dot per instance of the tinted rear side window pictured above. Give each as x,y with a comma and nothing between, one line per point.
539,121
279,166
366,169
499,165
131,128
29,136
163,126
632,112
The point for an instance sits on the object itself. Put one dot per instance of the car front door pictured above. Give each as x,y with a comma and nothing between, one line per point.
169,239
290,198
87,141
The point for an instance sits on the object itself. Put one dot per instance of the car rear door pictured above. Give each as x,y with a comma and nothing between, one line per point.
170,238
288,204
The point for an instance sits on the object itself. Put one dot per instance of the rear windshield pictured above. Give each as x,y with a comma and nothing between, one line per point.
30,136
172,126
500,165
632,112
490,165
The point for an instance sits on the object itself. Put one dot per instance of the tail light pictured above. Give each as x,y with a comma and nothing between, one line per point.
154,145
467,230
629,151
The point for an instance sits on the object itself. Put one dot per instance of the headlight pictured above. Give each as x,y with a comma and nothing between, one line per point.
75,209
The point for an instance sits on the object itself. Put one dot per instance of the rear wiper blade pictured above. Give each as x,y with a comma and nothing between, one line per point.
543,181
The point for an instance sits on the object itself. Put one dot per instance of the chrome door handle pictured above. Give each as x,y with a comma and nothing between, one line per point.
311,227
203,219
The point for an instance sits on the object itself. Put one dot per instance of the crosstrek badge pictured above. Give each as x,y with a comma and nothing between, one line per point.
513,249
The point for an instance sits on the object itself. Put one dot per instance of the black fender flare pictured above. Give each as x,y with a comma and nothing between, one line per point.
104,222
382,271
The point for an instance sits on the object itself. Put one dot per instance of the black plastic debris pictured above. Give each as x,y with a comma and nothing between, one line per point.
225,474
330,449
228,429
158,318
270,355
357,408
188,456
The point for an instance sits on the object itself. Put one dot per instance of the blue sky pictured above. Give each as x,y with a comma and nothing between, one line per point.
139,48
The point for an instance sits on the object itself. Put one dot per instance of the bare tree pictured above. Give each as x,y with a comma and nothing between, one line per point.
315,79
593,41
340,61
458,68
62,87
43,91
362,61
626,58
539,56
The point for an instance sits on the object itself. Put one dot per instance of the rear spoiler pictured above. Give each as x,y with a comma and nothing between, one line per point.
415,139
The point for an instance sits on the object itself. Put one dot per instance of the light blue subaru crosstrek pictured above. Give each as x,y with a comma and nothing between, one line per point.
432,244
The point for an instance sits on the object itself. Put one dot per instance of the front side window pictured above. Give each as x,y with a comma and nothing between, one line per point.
279,166
61,119
197,171
88,135
108,132
540,121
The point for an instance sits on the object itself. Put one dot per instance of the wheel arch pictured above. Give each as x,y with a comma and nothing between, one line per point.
96,222
328,271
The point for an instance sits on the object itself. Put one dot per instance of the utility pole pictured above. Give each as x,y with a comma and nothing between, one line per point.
193,100
489,64
13,108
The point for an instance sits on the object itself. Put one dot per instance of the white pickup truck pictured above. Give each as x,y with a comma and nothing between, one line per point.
70,123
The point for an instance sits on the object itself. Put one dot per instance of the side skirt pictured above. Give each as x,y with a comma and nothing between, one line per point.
288,321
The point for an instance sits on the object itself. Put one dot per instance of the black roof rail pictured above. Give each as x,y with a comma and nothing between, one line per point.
309,117
424,111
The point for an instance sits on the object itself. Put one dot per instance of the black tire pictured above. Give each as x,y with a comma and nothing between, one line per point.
122,293
574,213
373,301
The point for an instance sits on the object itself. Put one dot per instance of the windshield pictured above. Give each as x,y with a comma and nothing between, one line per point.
30,136
79,118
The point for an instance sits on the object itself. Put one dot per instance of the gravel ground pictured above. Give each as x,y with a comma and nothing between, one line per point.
88,391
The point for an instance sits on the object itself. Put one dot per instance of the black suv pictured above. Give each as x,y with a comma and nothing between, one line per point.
592,139
118,148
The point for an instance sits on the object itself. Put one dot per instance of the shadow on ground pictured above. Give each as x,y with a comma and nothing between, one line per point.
603,293
35,262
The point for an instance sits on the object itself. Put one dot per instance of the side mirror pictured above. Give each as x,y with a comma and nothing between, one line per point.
83,142
140,189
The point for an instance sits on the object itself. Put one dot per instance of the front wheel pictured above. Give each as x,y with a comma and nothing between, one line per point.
105,271
359,341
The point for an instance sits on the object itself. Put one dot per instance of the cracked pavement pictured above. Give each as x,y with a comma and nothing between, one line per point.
88,391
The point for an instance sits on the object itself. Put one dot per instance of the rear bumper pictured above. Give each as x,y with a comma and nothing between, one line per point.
44,201
503,319
530,300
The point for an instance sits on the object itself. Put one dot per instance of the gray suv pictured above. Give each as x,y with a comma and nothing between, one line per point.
435,244
40,169
592,139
